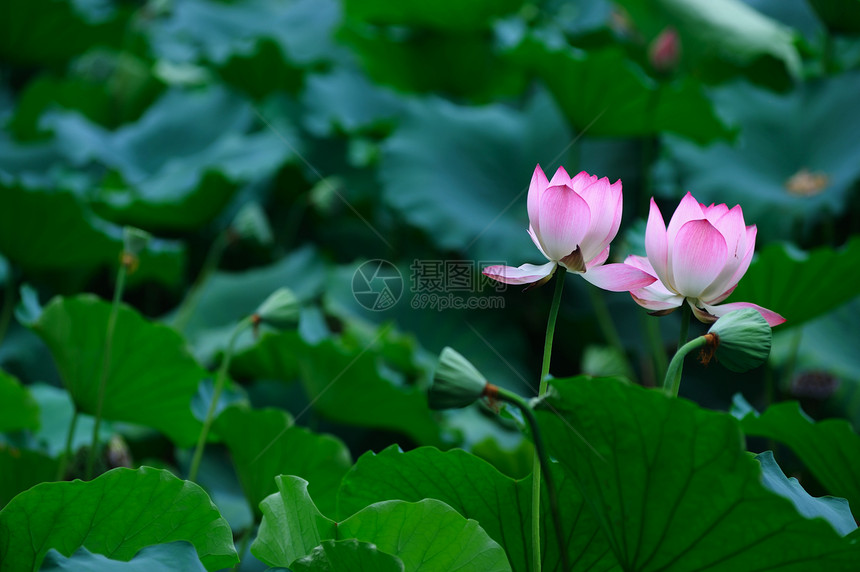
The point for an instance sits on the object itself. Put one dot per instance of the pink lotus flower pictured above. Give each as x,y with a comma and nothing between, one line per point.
700,258
572,221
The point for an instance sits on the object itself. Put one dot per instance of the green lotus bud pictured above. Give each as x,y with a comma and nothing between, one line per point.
456,382
251,223
134,240
741,340
280,309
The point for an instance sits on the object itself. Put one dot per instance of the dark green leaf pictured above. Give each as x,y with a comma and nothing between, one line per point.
672,486
158,558
18,409
21,469
55,418
832,509
830,449
115,515
603,93
172,181
787,175
839,15
346,384
478,491
352,555
265,443
442,15
151,378
801,285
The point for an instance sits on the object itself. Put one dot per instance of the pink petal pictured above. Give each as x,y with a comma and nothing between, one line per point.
722,296
599,259
745,263
605,203
618,277
688,209
536,240
640,262
773,319
560,178
699,256
702,315
536,188
650,299
731,226
565,218
656,244
581,181
525,274
714,212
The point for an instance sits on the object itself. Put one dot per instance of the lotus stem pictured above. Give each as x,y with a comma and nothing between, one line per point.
672,383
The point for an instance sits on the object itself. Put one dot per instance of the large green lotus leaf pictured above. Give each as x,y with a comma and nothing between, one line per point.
181,162
830,449
443,15
158,558
343,99
115,515
720,38
604,93
48,32
151,377
21,469
832,509
18,408
266,443
673,487
801,285
352,555
427,535
839,15
71,236
475,489
460,174
228,297
462,64
345,383
814,154
259,46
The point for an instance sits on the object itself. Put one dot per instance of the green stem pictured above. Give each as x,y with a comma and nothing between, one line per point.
544,373
686,312
672,383
220,381
655,340
105,367
604,321
543,458
8,304
213,258
67,452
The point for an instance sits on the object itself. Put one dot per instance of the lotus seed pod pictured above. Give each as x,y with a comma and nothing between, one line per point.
743,339
280,309
456,382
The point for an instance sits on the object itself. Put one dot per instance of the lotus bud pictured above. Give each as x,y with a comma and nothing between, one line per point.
251,223
456,382
280,309
740,340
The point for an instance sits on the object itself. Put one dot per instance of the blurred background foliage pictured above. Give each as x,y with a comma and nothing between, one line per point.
269,143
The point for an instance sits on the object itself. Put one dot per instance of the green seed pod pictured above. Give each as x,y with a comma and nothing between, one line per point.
743,339
456,382
280,309
134,240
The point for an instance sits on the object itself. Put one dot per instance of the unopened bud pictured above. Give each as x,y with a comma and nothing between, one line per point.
456,382
280,309
741,339
665,51
134,240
